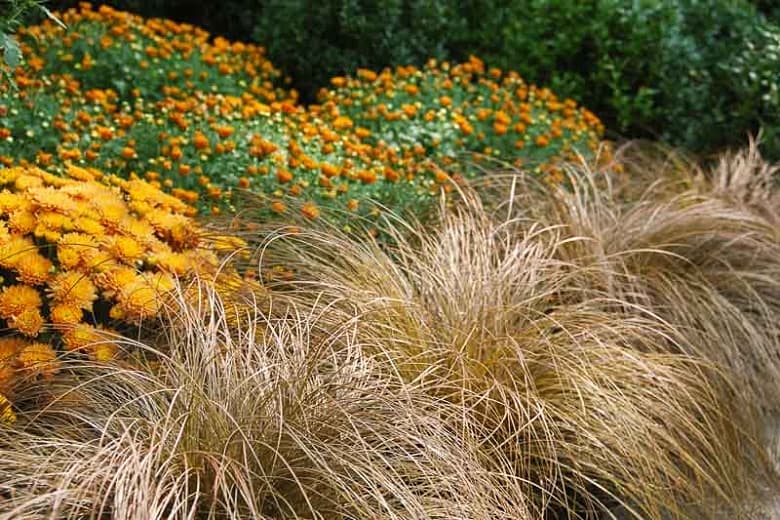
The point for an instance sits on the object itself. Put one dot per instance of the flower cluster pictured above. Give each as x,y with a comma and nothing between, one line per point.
22,356
150,58
84,253
444,110
378,140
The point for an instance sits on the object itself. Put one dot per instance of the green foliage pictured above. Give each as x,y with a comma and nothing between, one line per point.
698,74
156,99
108,48
228,18
318,40
769,8
11,17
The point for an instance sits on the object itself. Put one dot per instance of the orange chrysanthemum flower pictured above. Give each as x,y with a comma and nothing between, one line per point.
73,288
29,322
200,141
39,358
15,299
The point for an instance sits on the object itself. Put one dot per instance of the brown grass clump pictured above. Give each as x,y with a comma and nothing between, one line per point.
697,249
277,418
580,353
586,407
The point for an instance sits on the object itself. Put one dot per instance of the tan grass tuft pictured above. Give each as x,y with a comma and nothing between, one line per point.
578,390
273,419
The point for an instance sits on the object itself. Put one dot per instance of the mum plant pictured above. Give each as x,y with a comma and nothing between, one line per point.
85,256
108,48
445,110
204,140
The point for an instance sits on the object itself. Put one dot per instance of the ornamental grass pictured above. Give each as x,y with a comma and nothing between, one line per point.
598,385
86,256
474,367
280,417
698,249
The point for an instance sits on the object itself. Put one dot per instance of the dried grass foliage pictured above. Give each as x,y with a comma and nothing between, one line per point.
535,353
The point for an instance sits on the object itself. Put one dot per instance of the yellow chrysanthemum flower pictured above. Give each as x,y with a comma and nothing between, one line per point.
161,282
7,415
80,174
54,221
52,199
68,256
139,300
54,180
142,191
15,299
101,261
65,314
177,228
11,202
12,252
73,288
5,236
28,182
40,358
80,244
29,322
176,263
89,226
81,336
34,268
8,377
113,280
10,347
104,351
136,228
47,234
111,212
126,249
22,221
9,175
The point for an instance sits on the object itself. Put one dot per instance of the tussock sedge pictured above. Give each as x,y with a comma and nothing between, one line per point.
611,355
272,418
533,353
699,250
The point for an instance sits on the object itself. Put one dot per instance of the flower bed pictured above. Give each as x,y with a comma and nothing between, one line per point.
202,135
85,256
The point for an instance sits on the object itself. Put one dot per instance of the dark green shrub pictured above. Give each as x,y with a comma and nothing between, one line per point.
769,8
318,40
226,18
699,74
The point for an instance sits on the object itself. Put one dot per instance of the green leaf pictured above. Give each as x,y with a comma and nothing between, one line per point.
11,53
